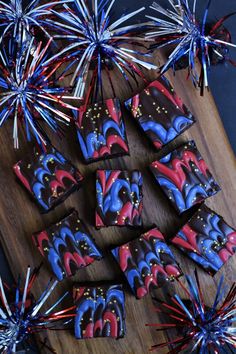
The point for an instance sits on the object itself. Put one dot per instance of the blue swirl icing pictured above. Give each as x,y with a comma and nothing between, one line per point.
60,239
179,199
135,270
94,141
167,158
163,247
202,261
111,201
181,203
52,157
192,194
41,172
37,190
181,122
166,135
208,258
205,248
131,275
55,261
214,220
99,303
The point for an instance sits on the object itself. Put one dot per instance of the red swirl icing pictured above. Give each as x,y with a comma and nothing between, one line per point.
173,98
176,173
113,111
25,182
111,317
124,254
73,257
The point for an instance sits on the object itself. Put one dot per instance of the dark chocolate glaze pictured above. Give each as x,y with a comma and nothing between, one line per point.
101,131
207,239
160,112
184,177
119,198
100,311
67,245
147,262
49,177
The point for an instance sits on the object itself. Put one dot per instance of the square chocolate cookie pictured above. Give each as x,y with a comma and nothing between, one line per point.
67,246
100,312
160,113
49,177
207,239
184,177
101,131
147,262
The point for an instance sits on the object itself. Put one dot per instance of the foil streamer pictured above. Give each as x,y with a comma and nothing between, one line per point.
97,44
19,22
29,94
179,26
201,328
21,315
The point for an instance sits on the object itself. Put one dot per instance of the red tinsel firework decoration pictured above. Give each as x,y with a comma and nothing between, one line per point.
95,43
21,315
192,38
29,94
201,328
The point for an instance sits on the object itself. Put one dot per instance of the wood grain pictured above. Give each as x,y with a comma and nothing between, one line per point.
19,217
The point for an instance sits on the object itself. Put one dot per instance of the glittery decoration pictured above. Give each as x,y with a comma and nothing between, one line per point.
190,39
21,315
30,95
97,44
201,328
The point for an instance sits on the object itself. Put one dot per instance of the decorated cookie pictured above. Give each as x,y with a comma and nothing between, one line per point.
119,198
184,177
67,245
160,112
101,131
49,177
207,239
147,262
100,312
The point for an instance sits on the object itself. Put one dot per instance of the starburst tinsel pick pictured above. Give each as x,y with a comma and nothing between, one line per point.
191,37
21,315
19,19
29,94
201,328
96,42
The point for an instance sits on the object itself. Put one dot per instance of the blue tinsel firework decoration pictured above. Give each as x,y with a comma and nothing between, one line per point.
192,38
97,43
29,95
21,315
18,21
206,329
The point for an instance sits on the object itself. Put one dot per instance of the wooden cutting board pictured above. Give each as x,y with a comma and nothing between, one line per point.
19,217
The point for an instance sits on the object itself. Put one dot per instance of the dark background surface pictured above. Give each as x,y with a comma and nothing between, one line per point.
222,80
